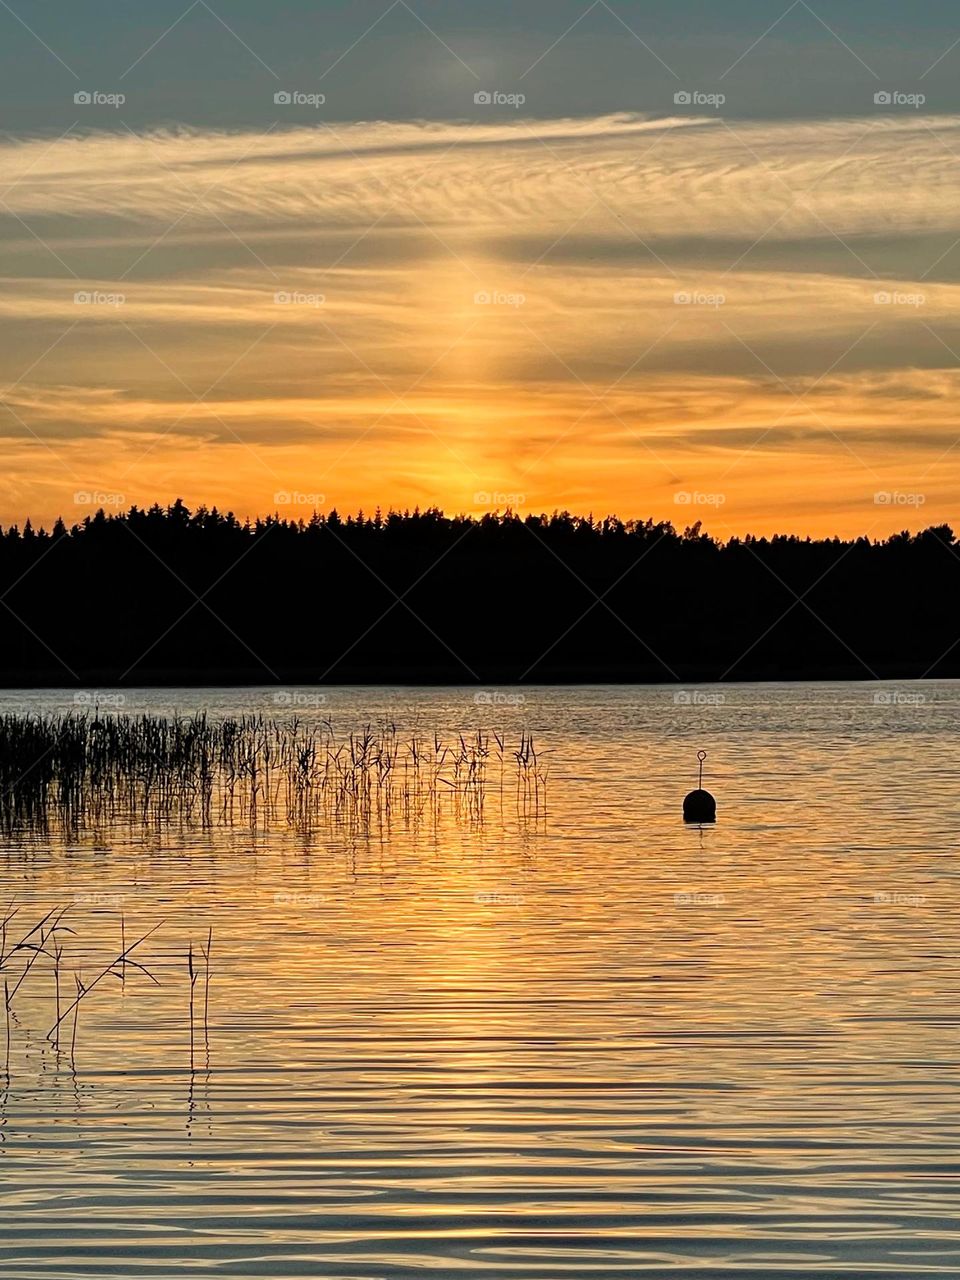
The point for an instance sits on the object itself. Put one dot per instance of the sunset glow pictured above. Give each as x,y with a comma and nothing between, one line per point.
753,324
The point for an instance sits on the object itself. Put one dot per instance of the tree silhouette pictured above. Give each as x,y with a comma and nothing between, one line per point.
166,594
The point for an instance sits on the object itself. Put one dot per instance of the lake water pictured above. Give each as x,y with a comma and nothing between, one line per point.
587,1042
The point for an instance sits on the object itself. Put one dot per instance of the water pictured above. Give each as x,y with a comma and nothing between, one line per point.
588,1044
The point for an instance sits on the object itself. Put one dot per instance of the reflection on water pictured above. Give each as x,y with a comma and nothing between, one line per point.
588,1042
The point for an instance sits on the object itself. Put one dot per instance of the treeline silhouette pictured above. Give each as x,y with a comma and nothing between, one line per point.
167,595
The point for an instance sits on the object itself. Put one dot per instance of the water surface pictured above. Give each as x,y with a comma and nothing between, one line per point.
590,1042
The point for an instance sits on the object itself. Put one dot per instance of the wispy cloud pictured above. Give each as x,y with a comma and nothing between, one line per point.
694,176
582,311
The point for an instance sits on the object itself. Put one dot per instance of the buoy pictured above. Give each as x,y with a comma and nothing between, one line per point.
699,805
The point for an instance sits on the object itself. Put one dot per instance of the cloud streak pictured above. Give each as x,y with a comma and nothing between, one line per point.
696,177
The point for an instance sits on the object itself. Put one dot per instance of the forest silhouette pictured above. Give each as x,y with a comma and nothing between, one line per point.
167,595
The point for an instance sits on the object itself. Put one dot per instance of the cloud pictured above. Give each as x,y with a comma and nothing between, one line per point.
697,177
589,306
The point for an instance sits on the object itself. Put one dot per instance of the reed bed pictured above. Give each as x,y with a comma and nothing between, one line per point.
84,770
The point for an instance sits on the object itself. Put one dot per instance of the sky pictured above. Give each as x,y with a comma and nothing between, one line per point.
690,261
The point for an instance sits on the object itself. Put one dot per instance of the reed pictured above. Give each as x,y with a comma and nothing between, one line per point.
19,957
114,969
206,987
81,992
31,946
86,769
203,952
6,1012
57,963
192,973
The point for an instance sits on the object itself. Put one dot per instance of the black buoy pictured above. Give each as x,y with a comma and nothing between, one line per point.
699,805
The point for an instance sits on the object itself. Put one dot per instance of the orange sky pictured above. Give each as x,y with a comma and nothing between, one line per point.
752,325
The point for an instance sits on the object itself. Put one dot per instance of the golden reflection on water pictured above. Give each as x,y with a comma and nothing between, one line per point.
597,1043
